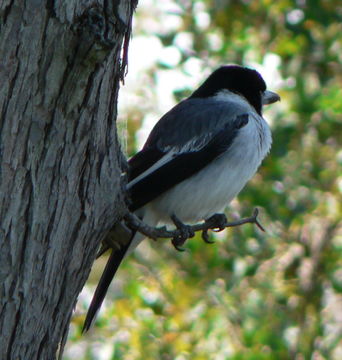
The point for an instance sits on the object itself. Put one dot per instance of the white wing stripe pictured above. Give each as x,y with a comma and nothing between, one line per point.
167,157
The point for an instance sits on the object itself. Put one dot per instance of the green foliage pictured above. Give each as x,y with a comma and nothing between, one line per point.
251,295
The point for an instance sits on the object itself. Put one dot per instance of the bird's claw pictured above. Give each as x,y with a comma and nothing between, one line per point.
177,242
185,233
205,237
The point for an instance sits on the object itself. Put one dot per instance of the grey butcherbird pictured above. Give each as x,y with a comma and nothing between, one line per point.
197,158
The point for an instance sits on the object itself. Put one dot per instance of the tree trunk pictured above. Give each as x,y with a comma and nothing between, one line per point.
60,160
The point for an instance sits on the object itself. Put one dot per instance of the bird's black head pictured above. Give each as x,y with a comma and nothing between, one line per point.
237,79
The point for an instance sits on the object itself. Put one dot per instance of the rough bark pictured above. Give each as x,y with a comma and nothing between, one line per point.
60,187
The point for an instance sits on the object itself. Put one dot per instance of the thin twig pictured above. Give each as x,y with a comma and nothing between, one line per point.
134,223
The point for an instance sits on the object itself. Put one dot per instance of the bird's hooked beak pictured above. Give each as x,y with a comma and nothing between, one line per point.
269,97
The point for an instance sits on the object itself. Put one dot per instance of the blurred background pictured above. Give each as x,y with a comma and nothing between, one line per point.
251,295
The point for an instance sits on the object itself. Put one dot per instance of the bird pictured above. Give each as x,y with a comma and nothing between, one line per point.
197,158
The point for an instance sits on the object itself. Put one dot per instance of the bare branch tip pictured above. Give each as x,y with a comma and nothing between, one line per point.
256,221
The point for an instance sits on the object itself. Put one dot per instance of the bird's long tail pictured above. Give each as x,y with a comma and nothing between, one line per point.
112,266
113,263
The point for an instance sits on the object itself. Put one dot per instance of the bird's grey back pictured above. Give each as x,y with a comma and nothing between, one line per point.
193,121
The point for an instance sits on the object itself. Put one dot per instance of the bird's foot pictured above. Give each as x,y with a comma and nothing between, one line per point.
218,222
185,233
